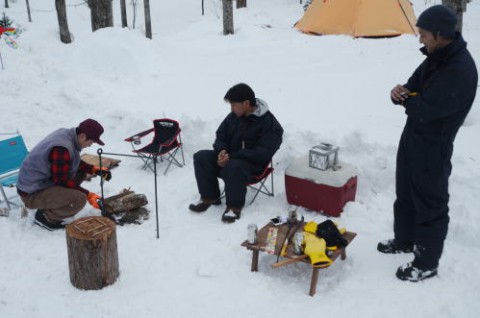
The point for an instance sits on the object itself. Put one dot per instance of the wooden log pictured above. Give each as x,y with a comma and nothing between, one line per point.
92,252
125,201
94,160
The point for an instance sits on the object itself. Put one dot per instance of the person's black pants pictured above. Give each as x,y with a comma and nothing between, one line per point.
236,175
421,207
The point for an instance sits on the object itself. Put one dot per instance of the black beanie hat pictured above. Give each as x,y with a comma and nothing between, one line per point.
440,20
240,93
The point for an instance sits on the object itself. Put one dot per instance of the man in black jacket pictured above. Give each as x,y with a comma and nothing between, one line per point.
245,143
437,98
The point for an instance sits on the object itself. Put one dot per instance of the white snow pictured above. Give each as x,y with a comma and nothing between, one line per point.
331,89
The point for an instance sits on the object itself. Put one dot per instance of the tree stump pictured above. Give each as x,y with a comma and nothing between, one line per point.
92,252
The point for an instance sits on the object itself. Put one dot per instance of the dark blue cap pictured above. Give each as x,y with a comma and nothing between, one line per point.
440,20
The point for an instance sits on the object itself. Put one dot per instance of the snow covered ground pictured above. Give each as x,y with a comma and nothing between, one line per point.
322,89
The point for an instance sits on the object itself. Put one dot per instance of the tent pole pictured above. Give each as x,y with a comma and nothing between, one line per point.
156,196
406,17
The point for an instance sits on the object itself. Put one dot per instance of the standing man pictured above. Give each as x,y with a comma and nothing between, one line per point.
436,98
49,178
246,141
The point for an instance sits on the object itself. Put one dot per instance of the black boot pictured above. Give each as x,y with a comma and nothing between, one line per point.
43,222
394,247
203,205
231,215
414,274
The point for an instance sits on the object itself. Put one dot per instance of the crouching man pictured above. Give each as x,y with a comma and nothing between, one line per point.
50,177
245,143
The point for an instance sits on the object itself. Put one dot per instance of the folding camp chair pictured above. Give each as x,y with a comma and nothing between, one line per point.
259,182
12,153
166,143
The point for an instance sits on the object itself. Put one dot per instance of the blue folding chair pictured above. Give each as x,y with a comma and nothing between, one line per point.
12,153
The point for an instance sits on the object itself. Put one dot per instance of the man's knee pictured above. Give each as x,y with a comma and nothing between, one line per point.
237,169
202,156
81,199
77,202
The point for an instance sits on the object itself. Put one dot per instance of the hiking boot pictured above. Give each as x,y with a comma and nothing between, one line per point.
231,215
394,247
414,274
204,205
43,222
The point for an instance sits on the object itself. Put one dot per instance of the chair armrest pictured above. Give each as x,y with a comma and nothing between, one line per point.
139,135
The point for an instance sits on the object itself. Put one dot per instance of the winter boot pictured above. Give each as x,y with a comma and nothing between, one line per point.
43,222
231,215
204,205
394,247
414,274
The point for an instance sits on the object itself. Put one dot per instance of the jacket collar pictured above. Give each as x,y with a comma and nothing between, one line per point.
445,53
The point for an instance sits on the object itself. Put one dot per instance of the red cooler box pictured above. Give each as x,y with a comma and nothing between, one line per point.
323,191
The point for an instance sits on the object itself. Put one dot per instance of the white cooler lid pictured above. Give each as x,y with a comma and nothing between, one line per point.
300,168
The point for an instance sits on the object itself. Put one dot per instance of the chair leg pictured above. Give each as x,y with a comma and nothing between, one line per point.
143,157
271,180
263,189
6,199
258,190
147,162
171,159
183,157
255,196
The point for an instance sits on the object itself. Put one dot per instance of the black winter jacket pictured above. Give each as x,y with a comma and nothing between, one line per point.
446,84
254,138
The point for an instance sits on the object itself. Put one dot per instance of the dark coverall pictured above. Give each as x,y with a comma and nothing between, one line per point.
251,142
445,83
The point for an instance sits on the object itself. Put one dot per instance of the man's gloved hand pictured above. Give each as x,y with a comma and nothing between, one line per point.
93,198
330,233
104,172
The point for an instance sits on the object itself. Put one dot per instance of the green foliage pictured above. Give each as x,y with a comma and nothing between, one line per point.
5,21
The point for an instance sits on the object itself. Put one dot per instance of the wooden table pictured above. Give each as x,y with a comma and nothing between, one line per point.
282,233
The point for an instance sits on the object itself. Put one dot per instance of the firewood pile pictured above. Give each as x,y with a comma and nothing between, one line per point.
127,207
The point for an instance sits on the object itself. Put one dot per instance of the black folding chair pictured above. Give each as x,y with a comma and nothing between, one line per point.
166,144
260,184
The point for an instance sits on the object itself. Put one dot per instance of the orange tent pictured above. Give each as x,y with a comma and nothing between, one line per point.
359,18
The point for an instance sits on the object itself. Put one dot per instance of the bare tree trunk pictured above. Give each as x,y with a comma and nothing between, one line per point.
6,4
123,9
227,17
28,11
459,6
241,4
101,13
62,21
148,21
134,7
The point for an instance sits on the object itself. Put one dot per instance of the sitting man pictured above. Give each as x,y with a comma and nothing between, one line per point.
49,178
245,143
